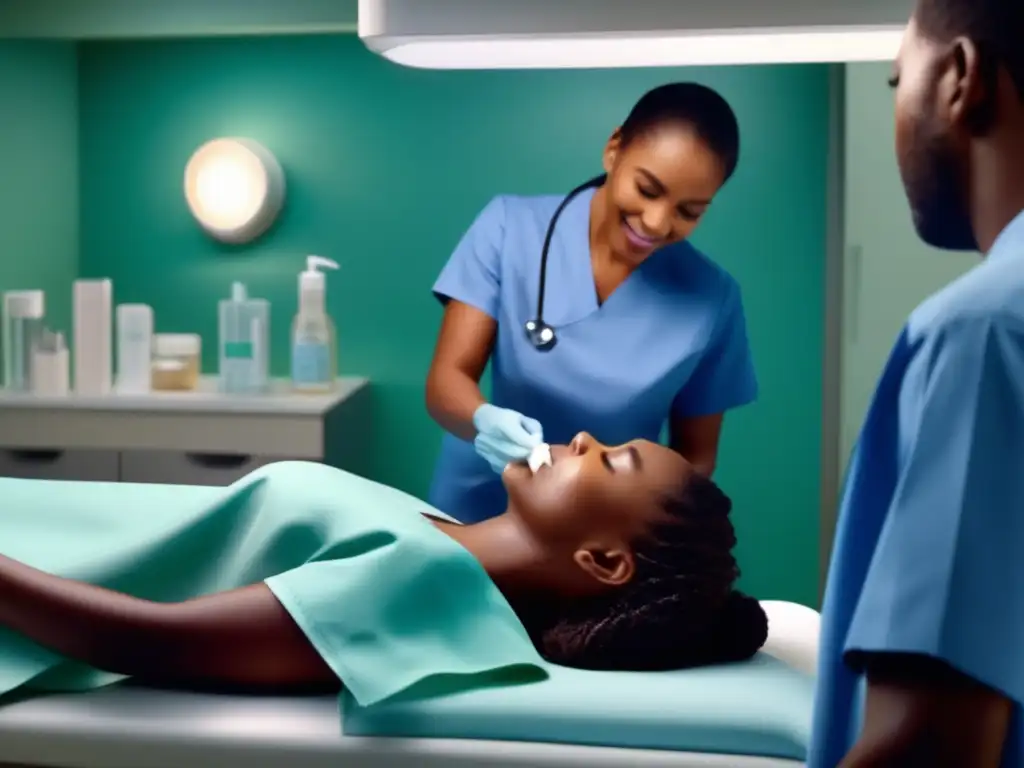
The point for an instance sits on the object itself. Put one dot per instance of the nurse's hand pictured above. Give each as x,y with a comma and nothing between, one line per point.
504,435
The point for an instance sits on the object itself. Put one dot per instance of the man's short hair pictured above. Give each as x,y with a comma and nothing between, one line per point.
995,26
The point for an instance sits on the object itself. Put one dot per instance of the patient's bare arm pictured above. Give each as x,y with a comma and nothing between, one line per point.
239,638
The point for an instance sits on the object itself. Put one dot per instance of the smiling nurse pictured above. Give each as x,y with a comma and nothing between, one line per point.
648,328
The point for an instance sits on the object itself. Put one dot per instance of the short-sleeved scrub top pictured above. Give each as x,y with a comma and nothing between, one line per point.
929,549
671,339
386,598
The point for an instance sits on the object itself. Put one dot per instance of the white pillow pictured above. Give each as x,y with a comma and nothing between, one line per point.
793,632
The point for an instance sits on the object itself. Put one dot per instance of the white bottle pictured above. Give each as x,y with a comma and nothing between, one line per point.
314,351
134,348
91,350
50,365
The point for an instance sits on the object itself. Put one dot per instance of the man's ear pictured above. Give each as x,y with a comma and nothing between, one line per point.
611,150
968,88
613,566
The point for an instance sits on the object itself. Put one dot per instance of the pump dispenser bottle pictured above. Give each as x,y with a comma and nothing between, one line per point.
314,342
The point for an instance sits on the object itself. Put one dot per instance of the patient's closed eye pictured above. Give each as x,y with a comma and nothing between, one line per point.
623,460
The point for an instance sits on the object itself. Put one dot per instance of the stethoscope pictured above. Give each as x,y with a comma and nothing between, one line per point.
540,334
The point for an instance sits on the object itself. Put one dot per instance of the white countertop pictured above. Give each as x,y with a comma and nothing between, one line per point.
281,399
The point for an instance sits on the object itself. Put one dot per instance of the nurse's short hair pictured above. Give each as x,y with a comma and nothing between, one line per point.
995,26
691,104
680,609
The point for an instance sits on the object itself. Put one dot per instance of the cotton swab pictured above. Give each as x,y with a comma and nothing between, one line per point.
539,457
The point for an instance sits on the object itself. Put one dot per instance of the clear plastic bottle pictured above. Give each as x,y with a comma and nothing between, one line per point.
314,340
22,329
244,343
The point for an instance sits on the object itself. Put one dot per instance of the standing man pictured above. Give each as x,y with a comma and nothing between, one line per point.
925,600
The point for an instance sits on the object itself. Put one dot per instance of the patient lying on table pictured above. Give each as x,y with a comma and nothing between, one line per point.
304,576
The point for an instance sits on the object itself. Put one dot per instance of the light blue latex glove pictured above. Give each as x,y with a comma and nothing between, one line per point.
504,435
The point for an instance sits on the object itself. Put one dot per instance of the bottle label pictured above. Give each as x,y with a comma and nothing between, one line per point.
238,350
311,363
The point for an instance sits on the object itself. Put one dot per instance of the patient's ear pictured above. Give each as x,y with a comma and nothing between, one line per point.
613,566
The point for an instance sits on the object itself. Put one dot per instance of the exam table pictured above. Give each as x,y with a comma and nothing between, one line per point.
135,727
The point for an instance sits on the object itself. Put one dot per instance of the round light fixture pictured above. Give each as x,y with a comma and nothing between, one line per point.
234,189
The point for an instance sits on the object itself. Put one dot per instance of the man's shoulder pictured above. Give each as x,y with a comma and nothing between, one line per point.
989,297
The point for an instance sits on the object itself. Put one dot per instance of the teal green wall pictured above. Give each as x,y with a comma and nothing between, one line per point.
133,19
39,172
387,166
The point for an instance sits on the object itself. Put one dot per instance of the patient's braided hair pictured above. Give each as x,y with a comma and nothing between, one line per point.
680,609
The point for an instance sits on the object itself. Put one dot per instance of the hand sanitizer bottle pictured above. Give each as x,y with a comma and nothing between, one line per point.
314,345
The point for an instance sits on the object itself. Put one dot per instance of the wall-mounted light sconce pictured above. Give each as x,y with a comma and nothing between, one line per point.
234,189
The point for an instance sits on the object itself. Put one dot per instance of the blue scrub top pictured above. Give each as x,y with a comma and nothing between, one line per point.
671,338
930,538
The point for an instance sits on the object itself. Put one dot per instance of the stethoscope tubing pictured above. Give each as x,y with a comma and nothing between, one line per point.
540,334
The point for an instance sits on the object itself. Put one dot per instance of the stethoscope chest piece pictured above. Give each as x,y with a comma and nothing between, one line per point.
541,335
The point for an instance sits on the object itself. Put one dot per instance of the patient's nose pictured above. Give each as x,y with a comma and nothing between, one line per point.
582,443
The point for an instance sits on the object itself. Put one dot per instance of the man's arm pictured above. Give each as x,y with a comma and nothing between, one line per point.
922,712
939,626
240,638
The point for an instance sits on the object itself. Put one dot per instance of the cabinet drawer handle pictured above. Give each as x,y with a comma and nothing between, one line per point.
219,460
34,456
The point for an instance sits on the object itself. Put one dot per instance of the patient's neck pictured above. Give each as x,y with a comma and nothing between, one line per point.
512,557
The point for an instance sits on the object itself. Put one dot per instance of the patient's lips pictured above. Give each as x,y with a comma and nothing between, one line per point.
559,452
522,470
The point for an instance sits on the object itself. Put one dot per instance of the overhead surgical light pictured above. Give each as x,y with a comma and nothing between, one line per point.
584,34
747,47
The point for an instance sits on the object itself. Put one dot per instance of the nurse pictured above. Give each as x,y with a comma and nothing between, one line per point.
646,328
925,597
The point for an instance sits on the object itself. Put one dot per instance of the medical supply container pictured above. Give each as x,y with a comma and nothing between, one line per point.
51,372
134,324
176,361
22,328
92,348
244,343
314,350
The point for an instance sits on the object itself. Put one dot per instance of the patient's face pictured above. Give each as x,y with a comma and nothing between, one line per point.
596,500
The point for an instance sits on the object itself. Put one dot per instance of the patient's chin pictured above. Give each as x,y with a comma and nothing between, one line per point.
515,473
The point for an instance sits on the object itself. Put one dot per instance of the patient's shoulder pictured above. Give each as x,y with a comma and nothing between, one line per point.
306,492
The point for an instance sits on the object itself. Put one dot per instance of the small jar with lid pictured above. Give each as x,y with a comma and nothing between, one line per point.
176,362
